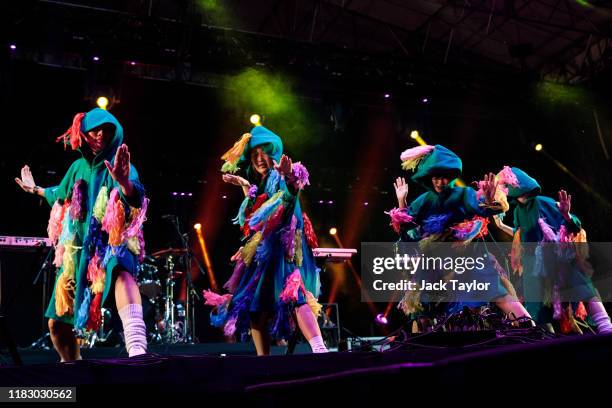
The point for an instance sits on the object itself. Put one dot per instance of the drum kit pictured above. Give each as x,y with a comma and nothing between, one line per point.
159,280
165,310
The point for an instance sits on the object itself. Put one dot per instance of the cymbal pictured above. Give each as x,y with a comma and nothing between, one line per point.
169,252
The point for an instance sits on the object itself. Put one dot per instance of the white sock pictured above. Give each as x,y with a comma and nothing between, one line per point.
602,320
317,345
600,317
134,329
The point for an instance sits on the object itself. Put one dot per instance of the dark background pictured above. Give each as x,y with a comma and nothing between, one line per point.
349,136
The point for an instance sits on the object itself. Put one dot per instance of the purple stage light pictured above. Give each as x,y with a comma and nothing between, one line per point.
381,319
96,59
13,47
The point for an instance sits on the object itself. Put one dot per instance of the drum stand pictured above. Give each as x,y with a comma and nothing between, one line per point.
191,295
173,334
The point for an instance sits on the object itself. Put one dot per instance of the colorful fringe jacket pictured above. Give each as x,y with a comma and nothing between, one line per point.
538,220
457,214
93,227
274,270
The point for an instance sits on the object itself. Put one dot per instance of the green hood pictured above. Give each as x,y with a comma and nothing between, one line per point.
95,118
527,184
440,161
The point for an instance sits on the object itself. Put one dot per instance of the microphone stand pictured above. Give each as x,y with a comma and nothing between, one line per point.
44,273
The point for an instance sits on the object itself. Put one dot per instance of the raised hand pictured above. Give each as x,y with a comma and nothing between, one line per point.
565,203
26,182
235,180
285,166
120,169
489,187
401,191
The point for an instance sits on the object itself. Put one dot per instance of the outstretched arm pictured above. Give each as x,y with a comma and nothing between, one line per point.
237,181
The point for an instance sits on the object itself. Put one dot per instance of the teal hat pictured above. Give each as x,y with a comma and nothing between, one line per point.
437,161
240,153
526,184
261,136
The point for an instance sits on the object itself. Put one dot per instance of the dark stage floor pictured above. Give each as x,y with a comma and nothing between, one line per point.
199,372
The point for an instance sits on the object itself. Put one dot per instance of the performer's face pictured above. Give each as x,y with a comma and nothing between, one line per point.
523,199
98,137
439,183
260,161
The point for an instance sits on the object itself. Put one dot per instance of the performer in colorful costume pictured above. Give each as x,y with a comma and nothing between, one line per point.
275,275
540,219
448,212
96,229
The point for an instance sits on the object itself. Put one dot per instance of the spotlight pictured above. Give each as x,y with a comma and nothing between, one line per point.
255,119
538,147
197,226
174,193
366,203
102,102
182,194
425,100
330,202
132,63
96,58
224,196
381,319
333,231
414,134
190,194
321,201
13,47
387,96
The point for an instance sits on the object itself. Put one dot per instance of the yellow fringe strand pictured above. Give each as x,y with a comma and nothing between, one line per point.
64,295
298,248
233,155
101,202
133,245
315,306
248,252
412,163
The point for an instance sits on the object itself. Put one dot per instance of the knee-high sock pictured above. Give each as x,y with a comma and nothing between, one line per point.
134,329
317,345
600,316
